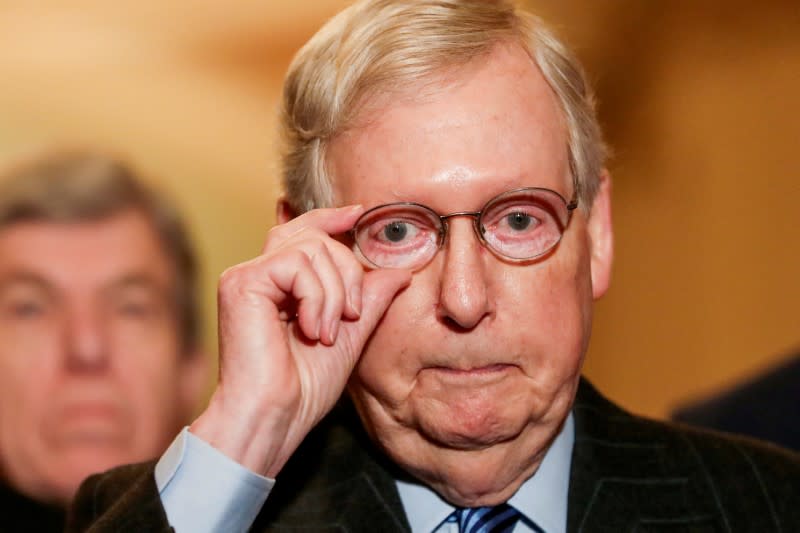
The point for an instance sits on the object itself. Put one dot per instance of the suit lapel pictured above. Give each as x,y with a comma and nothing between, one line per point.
365,503
622,477
336,481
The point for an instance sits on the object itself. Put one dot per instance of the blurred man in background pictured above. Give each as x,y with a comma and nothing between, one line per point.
99,347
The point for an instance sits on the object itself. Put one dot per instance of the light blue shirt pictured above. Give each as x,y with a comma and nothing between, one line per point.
203,490
542,498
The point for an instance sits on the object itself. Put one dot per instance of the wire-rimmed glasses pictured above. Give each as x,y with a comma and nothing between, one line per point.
517,225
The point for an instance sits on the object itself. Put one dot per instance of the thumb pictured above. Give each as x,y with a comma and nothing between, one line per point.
379,289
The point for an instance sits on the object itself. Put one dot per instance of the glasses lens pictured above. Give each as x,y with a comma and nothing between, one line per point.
524,224
398,235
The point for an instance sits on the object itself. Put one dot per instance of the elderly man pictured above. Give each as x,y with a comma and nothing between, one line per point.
445,230
99,360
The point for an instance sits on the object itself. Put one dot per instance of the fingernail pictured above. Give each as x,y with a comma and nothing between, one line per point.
349,208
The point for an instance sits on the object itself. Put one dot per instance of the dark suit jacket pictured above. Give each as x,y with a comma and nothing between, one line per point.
628,474
20,514
766,407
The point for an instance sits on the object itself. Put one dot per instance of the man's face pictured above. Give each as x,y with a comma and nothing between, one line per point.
474,367
91,369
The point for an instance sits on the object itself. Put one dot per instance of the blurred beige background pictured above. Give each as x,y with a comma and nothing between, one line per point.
699,99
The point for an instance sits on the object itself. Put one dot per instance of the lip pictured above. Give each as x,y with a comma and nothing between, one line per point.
88,422
90,411
485,373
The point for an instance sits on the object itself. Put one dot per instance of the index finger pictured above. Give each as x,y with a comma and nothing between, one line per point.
331,220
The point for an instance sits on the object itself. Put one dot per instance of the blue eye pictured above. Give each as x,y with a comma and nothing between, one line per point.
395,231
519,221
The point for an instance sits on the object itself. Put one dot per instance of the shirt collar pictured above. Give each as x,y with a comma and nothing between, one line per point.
542,498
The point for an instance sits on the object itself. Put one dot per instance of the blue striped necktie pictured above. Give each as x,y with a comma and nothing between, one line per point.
498,519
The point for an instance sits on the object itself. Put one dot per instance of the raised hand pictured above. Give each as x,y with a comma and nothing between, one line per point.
292,324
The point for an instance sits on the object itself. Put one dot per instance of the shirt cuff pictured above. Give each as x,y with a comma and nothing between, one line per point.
203,489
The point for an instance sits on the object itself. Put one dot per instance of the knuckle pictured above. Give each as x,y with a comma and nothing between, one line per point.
281,233
297,257
318,248
230,276
232,280
276,232
275,236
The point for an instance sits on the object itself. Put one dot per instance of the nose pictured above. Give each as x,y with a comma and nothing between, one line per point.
86,348
464,298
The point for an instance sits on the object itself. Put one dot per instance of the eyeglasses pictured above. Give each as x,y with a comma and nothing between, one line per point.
517,225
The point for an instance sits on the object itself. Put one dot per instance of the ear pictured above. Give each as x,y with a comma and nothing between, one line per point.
283,211
601,237
193,382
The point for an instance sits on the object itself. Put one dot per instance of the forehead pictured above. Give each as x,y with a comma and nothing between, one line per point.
488,127
84,255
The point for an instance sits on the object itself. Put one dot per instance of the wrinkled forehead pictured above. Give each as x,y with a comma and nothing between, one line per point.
85,255
491,126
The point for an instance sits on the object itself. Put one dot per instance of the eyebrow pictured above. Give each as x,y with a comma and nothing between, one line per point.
128,281
135,280
166,293
24,277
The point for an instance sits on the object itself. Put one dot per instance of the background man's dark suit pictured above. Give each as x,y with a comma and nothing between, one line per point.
628,474
19,513
766,407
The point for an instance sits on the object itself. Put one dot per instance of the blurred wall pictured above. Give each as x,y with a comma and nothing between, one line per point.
698,99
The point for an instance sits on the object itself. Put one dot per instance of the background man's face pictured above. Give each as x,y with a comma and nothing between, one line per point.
474,367
91,370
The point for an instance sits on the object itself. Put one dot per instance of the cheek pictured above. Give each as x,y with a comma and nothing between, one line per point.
546,314
24,404
28,389
33,346
155,415
150,382
390,359
29,371
149,376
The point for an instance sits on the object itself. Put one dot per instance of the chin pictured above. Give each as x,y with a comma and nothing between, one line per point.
61,485
473,478
472,492
470,427
86,460
471,420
